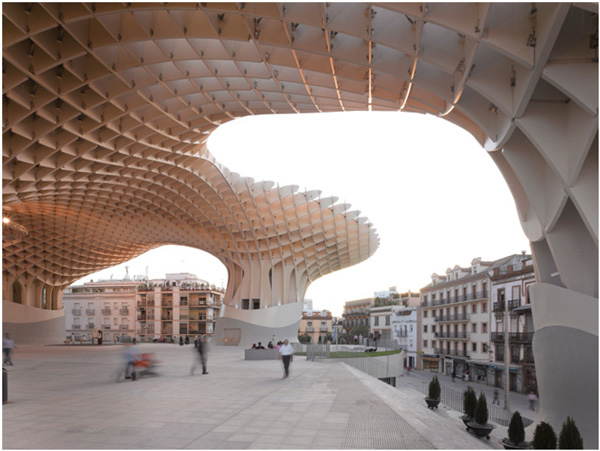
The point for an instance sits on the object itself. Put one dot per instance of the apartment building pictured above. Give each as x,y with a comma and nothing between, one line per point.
356,313
511,314
381,322
179,305
404,332
106,305
455,320
317,324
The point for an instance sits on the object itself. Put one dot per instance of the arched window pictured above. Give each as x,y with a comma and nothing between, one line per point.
17,292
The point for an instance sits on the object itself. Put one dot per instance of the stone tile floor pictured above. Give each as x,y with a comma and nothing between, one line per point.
66,397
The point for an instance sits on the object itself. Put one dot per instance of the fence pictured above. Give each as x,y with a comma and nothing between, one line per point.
454,399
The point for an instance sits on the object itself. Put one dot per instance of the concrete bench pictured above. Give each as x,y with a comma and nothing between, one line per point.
261,354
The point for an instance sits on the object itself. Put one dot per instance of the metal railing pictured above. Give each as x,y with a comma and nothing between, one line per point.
106,311
454,399
106,327
90,312
124,311
124,326
452,318
76,326
457,335
76,311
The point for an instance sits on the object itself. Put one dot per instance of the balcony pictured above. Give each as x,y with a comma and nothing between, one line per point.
497,336
76,326
106,311
90,326
513,304
323,329
124,327
402,333
124,311
166,318
90,312
454,335
167,303
76,311
106,327
499,306
183,317
454,352
453,318
521,337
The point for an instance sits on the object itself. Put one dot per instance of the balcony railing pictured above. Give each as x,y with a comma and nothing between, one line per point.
183,317
499,306
76,326
455,352
454,299
166,318
90,326
90,312
106,327
453,318
497,336
309,329
106,311
323,329
124,326
513,304
455,335
124,311
521,337
76,311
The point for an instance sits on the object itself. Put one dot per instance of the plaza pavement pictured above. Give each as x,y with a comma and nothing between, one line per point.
65,397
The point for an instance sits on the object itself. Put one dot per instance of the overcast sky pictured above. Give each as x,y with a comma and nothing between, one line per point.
434,195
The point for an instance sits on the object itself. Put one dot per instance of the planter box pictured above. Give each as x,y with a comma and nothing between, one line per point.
480,430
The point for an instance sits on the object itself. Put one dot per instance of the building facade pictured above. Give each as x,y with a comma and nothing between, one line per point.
381,322
511,314
404,330
317,324
179,305
107,305
356,313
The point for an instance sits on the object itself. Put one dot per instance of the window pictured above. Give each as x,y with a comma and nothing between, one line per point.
115,321
425,328
474,328
376,321
516,293
246,304
485,347
387,320
425,313
433,328
424,343
500,294
474,347
484,307
255,304
474,308
484,328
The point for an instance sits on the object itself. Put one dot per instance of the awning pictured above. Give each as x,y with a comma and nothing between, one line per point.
523,309
430,357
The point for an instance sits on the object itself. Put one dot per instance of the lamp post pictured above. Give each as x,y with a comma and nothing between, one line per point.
506,357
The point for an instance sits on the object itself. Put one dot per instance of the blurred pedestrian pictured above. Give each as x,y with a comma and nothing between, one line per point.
496,400
129,355
532,399
202,358
72,338
8,344
287,355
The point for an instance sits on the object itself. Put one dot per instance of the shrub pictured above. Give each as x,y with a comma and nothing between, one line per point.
544,437
469,402
516,431
569,437
481,410
435,391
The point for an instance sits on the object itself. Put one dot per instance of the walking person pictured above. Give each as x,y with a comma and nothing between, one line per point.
72,338
496,400
287,355
532,399
202,355
8,344
130,355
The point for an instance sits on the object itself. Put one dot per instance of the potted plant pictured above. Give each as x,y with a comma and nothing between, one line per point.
544,437
469,405
516,434
435,392
479,425
569,437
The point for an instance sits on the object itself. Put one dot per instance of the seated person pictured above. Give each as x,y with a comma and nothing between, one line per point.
270,345
253,346
260,346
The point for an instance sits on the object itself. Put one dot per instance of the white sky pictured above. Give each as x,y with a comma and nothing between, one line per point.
433,194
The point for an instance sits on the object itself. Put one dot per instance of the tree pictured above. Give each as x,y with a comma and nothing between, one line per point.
360,330
469,402
569,437
304,338
481,410
516,431
544,437
435,391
